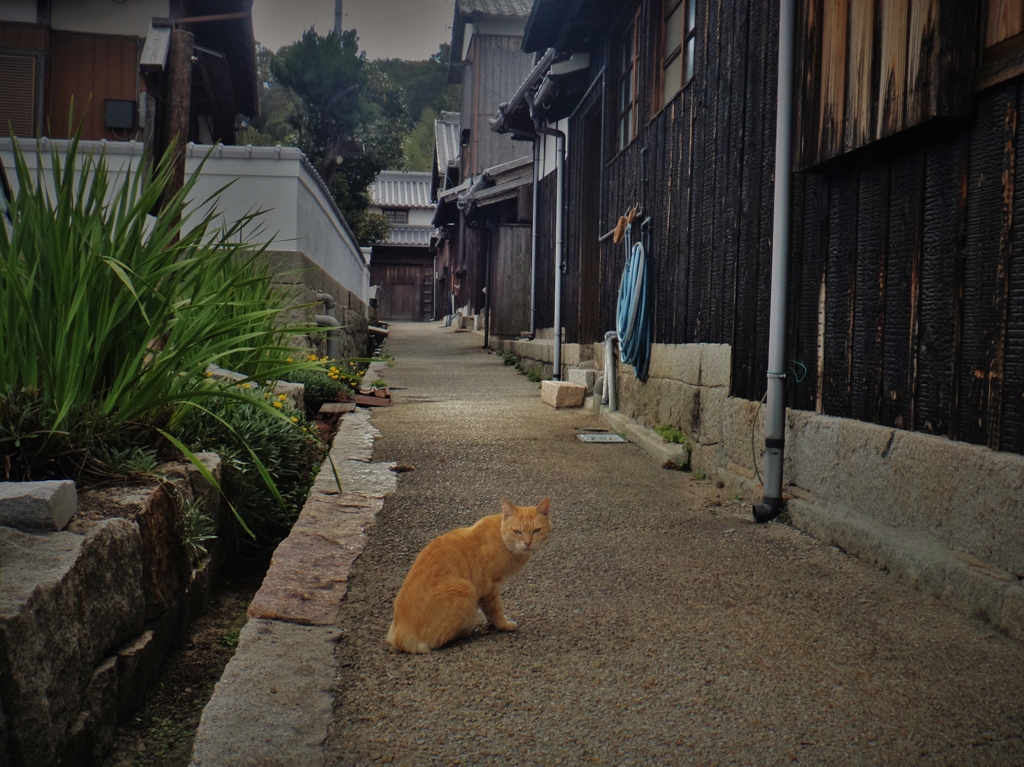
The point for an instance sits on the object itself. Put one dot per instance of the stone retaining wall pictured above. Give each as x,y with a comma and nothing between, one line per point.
88,614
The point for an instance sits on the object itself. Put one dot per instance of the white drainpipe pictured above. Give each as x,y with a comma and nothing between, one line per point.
775,421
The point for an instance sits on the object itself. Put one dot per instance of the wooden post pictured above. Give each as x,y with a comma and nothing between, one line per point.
178,102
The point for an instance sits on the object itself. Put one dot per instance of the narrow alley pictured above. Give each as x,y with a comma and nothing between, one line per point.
659,625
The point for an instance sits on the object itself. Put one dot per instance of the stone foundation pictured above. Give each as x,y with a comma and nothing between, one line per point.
88,614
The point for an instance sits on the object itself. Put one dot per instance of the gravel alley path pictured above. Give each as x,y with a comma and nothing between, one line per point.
659,625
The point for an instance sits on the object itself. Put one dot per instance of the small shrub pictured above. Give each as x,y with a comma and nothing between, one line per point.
243,432
509,358
196,529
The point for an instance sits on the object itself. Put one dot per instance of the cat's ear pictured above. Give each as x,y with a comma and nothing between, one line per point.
507,509
544,506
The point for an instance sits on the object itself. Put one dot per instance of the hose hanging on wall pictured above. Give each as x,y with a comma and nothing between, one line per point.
632,319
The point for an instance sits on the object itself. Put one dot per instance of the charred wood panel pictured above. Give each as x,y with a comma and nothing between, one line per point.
746,380
902,287
759,338
840,292
987,253
810,240
869,303
1012,429
945,207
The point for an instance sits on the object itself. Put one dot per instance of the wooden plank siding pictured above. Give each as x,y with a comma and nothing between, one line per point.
874,69
509,290
99,66
23,37
906,291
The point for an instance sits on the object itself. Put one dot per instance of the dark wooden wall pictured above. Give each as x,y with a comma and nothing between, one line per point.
918,246
406,283
545,301
907,277
509,289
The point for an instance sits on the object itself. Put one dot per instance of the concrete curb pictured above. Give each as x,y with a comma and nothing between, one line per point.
273,703
647,439
957,579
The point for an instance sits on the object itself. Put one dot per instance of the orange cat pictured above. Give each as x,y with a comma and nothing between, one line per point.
462,572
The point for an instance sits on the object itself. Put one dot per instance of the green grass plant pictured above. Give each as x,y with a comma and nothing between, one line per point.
251,440
110,316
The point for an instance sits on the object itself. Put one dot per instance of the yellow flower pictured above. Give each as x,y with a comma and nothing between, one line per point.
246,386
209,374
282,397
278,405
294,419
288,359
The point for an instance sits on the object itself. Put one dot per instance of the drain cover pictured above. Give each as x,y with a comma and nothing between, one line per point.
601,438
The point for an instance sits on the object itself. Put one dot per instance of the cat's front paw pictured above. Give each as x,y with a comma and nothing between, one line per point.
506,625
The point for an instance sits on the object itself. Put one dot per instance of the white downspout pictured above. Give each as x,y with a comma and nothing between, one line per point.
559,181
775,421
533,244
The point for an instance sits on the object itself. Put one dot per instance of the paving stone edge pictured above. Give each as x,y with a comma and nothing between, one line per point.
273,703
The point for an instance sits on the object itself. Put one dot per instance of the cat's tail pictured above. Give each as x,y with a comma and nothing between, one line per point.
405,640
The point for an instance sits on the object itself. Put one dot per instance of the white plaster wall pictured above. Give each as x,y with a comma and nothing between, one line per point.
549,149
105,17
420,216
297,214
19,10
324,239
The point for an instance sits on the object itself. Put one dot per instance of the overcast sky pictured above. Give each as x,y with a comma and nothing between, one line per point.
388,29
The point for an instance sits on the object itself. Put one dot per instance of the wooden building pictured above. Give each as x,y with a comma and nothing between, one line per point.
906,283
488,61
402,267
65,62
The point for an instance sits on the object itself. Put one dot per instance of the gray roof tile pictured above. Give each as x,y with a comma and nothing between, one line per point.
496,7
402,189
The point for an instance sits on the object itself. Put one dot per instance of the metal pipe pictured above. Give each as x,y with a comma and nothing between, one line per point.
608,395
560,183
533,237
333,339
775,421
543,130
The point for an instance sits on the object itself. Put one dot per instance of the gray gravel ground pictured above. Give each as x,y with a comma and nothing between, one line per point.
658,626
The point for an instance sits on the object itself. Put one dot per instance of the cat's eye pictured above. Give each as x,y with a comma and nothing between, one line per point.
518,532
536,531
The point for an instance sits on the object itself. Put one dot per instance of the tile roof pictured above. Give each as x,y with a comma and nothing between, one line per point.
447,140
496,7
402,189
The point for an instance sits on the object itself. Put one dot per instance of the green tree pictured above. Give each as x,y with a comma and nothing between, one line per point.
348,117
419,144
424,83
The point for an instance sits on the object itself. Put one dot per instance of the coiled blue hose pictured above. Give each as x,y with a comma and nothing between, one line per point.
632,319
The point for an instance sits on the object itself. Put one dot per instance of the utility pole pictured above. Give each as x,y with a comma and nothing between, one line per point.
178,102
337,17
